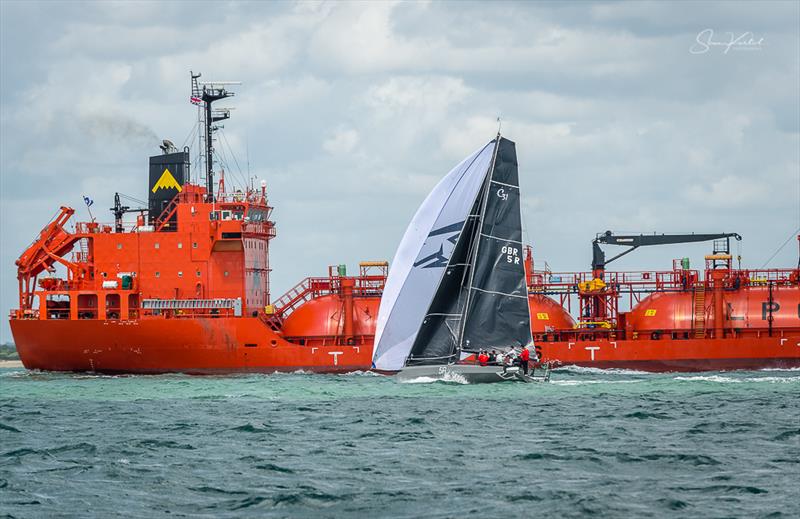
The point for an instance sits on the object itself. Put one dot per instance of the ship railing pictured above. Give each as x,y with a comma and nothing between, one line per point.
106,227
295,296
637,281
265,228
314,287
763,277
191,305
239,197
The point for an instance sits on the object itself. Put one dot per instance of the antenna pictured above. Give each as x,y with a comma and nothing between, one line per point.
499,123
204,93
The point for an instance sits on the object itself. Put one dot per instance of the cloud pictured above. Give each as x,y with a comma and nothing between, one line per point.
352,111
729,192
343,140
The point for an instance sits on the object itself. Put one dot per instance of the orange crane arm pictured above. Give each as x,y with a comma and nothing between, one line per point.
53,242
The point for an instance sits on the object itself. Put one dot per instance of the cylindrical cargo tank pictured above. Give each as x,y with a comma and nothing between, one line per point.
746,308
547,315
324,316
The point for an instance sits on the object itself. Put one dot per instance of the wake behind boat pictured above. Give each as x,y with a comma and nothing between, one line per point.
457,285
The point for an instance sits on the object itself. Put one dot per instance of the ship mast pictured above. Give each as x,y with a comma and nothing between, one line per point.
205,93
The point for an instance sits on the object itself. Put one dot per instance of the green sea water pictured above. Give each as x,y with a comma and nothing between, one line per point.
590,443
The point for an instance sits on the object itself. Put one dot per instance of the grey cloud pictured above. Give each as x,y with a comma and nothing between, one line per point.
352,111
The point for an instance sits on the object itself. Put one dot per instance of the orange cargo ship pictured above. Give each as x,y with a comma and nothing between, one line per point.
679,320
186,288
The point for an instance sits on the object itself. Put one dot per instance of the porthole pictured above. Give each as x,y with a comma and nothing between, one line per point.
180,273
158,274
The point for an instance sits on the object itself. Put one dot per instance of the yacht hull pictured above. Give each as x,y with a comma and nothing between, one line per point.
472,374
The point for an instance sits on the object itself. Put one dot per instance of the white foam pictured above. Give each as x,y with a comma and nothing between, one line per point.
590,382
361,373
602,371
449,377
730,380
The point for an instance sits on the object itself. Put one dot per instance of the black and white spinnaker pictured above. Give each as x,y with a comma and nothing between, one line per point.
457,282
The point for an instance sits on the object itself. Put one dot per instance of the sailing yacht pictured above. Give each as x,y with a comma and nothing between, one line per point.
457,283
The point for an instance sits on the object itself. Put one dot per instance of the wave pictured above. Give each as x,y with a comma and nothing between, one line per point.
590,382
361,373
601,371
722,379
448,378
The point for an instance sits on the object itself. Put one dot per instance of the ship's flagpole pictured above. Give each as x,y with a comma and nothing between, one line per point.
88,201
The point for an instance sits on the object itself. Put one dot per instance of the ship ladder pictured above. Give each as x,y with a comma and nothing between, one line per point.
700,312
83,243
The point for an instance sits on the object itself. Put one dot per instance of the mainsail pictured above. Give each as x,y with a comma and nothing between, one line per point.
497,314
421,257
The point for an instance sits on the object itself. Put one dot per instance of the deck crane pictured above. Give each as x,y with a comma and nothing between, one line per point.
598,300
634,241
119,210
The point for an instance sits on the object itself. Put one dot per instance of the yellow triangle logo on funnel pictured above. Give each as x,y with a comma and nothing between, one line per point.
167,181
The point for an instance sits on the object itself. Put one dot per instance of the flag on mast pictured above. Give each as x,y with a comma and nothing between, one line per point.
88,201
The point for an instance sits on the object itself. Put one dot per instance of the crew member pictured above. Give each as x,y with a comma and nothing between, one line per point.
483,359
524,358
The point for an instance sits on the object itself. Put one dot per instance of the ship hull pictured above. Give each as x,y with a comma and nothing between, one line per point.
466,373
194,346
748,353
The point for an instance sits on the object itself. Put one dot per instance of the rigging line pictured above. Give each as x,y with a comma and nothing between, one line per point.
781,247
223,161
235,160
225,138
191,134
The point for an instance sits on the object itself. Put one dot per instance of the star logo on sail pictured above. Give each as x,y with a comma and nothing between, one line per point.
167,181
438,259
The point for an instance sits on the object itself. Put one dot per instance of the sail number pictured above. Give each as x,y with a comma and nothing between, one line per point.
512,254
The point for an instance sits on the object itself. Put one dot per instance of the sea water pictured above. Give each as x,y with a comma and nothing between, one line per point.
589,443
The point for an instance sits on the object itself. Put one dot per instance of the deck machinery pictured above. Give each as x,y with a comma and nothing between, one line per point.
681,319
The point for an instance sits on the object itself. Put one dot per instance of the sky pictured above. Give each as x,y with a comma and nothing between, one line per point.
628,116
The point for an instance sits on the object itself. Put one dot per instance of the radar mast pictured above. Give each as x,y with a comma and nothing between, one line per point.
204,93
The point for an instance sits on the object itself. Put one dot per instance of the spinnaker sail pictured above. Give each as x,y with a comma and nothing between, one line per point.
421,258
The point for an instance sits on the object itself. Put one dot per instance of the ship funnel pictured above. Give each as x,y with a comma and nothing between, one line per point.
168,173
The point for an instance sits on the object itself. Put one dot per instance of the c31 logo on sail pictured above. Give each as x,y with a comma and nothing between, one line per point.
501,194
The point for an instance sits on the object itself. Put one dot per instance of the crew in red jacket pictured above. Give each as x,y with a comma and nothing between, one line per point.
483,359
524,358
